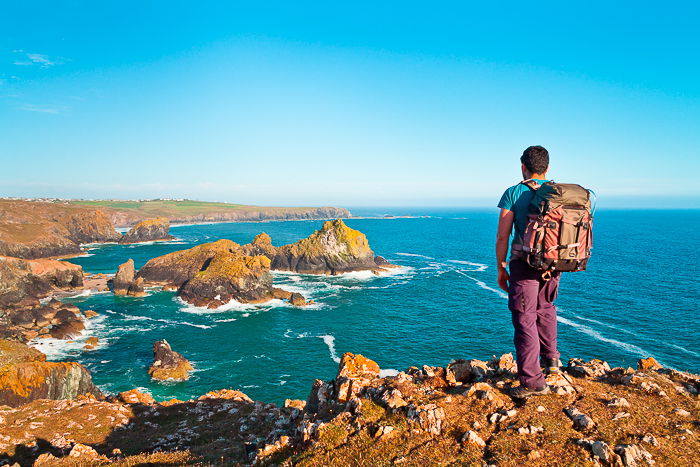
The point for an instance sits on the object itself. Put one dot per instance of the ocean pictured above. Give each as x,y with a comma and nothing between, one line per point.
638,298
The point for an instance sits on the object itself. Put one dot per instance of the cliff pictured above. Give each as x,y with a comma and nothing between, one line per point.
148,230
458,414
128,213
32,229
25,376
28,280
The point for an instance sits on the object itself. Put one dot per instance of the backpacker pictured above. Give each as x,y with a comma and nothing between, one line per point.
558,235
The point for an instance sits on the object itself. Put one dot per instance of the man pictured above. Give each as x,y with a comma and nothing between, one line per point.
530,296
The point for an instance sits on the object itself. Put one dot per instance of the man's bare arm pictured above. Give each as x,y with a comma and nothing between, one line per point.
505,226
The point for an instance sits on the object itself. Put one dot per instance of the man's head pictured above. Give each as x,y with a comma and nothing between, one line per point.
535,161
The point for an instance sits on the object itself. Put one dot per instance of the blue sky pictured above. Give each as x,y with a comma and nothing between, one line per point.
305,103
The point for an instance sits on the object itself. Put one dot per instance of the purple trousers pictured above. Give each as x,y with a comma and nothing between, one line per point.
531,302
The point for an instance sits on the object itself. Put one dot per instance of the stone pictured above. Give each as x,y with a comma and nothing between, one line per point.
227,394
297,299
601,450
618,402
465,371
83,452
581,420
393,399
430,417
589,369
649,363
505,364
168,364
681,412
295,403
90,314
472,437
134,396
633,454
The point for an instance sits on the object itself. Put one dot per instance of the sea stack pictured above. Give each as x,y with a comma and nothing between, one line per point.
168,364
125,281
334,249
147,231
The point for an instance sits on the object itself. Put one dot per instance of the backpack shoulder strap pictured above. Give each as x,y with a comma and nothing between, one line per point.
530,183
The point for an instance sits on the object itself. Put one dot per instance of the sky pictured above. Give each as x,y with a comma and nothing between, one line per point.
355,104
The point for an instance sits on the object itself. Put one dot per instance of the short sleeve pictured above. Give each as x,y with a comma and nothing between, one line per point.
507,200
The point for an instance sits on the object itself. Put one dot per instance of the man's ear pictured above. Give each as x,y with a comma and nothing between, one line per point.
526,173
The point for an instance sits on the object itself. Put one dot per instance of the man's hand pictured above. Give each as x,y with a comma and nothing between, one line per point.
503,278
505,225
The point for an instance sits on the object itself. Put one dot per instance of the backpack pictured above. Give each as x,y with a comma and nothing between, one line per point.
559,231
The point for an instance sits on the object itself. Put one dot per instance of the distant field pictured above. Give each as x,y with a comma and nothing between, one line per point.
128,212
175,208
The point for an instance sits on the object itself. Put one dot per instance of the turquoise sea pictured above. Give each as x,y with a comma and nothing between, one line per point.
639,298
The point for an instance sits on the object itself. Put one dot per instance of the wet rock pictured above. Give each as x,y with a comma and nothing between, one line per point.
297,299
168,364
90,314
581,420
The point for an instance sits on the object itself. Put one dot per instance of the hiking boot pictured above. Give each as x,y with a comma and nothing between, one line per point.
552,366
522,392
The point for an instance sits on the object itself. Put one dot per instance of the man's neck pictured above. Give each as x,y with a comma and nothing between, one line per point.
536,176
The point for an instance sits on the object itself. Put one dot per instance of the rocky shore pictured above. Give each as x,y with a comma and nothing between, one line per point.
458,414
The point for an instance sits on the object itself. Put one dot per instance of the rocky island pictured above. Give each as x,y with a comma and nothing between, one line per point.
149,230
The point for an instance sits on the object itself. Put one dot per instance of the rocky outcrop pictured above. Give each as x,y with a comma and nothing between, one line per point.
168,364
28,280
230,276
54,319
334,249
415,417
32,229
148,230
213,274
125,281
25,375
176,268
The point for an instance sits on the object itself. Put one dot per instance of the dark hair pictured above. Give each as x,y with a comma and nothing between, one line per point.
536,159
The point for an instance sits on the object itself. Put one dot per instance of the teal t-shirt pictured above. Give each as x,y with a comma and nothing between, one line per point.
517,198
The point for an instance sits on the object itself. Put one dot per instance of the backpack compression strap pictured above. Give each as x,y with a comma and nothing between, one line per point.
532,184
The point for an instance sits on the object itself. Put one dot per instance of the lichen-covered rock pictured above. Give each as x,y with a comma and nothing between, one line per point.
230,276
168,364
147,231
25,375
334,249
134,396
649,363
176,268
354,373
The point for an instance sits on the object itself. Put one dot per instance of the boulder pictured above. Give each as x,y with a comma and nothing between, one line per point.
649,363
134,396
168,364
147,231
25,375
